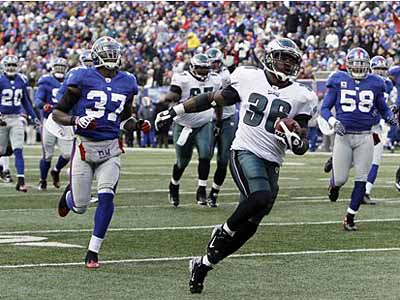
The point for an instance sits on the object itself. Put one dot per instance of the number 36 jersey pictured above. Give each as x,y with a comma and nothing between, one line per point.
102,98
190,86
261,105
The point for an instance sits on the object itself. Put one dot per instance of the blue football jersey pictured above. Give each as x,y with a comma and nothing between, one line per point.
14,95
388,90
394,73
102,98
356,101
46,92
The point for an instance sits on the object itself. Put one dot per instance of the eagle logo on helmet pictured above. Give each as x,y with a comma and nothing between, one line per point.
357,63
107,52
9,64
282,58
215,57
200,66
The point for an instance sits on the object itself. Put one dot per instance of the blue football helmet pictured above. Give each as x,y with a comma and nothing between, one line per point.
85,58
357,63
379,66
107,52
59,67
9,65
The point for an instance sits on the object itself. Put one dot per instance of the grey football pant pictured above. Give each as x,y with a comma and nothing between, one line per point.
49,141
352,150
81,178
13,132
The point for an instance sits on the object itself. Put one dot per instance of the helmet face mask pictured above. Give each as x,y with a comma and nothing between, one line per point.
200,67
59,67
379,66
215,57
10,65
107,52
357,63
282,59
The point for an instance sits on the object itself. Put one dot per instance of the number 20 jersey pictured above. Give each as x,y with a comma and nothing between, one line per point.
102,98
12,91
190,86
261,104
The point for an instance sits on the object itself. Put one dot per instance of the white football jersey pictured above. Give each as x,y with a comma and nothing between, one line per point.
261,104
190,87
226,80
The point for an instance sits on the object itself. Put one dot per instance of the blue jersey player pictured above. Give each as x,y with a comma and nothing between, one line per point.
102,99
379,67
14,95
355,95
45,100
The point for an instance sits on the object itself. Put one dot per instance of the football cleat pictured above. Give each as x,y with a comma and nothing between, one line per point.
6,176
92,260
333,193
201,195
198,272
63,208
21,187
328,165
174,194
42,185
348,224
212,198
367,200
397,183
56,178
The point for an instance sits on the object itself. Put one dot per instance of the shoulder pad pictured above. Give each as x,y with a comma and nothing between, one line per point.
23,77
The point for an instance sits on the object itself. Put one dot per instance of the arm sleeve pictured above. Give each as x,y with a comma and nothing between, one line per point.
328,103
27,104
40,96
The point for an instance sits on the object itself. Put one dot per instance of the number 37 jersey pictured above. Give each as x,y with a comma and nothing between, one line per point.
102,98
261,105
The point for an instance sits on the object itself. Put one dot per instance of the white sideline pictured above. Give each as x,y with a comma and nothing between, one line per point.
164,259
190,227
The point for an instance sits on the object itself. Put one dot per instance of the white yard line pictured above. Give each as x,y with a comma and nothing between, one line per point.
183,258
122,229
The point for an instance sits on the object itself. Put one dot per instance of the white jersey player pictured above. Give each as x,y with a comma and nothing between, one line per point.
266,96
192,129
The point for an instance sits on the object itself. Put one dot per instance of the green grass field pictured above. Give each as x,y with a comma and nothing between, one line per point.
300,251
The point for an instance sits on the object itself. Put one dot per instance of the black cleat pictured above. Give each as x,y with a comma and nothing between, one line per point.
333,193
328,165
63,209
42,185
367,200
198,272
348,223
174,194
92,260
56,178
201,195
397,183
5,176
21,187
212,198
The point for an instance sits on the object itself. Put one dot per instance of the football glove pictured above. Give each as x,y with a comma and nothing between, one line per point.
392,120
85,122
218,129
289,138
144,125
47,107
339,128
2,122
36,123
394,108
164,117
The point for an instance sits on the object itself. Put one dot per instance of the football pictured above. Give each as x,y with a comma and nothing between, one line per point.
290,123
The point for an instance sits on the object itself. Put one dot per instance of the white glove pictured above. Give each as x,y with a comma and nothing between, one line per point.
163,117
84,122
288,137
339,128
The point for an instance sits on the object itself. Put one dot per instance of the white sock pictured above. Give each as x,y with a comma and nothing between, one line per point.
206,262
95,244
216,186
55,169
368,188
350,211
202,182
228,230
174,182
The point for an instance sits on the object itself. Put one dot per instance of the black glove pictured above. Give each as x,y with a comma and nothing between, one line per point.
218,128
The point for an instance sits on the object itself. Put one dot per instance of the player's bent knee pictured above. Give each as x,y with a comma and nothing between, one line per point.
263,200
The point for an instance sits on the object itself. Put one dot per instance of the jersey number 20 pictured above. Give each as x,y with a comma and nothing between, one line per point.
11,97
255,113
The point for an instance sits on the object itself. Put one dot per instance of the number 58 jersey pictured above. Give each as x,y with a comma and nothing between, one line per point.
261,104
102,98
190,86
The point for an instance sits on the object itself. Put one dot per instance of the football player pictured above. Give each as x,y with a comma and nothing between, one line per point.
265,95
356,96
45,100
379,67
102,99
194,129
14,95
225,127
